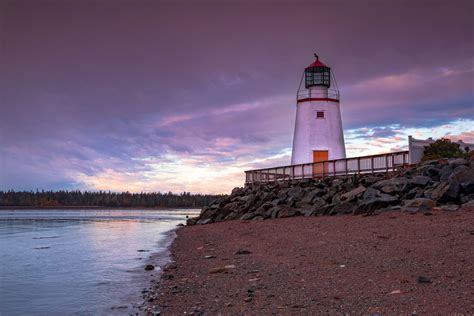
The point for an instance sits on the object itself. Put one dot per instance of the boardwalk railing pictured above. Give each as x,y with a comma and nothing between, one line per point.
357,165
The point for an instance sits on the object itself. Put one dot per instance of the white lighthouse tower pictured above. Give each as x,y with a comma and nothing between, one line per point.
318,127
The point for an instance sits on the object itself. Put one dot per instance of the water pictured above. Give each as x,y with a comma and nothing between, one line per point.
79,262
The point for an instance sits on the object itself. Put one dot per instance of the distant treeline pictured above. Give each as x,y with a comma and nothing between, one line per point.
102,199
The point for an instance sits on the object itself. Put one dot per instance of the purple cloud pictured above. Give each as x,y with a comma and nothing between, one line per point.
149,95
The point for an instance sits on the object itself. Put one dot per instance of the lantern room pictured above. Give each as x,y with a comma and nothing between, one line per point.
317,74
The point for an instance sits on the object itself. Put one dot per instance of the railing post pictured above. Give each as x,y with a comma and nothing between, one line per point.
293,172
393,162
358,165
403,159
334,167
347,169
302,171
386,163
372,164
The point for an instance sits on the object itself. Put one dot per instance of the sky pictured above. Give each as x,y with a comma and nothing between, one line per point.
186,95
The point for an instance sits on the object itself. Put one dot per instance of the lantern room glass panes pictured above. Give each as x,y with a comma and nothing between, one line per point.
317,76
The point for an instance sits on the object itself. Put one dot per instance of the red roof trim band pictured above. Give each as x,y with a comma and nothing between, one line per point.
318,99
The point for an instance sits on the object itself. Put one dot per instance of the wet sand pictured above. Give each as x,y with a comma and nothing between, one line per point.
393,263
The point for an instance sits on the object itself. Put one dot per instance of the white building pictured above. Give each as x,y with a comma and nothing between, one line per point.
318,132
416,147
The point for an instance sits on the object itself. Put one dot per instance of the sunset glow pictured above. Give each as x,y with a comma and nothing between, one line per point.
175,96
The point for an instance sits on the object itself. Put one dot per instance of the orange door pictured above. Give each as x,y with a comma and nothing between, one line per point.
320,169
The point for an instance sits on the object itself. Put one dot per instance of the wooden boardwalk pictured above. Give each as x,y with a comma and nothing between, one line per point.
331,168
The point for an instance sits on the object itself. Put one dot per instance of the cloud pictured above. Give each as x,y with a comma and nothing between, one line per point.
171,96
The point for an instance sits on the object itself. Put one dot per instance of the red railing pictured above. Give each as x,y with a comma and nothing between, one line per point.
331,168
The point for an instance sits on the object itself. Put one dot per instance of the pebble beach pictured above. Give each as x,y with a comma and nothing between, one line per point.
391,263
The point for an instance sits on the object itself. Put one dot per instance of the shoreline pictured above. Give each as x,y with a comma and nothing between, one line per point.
159,258
14,208
394,262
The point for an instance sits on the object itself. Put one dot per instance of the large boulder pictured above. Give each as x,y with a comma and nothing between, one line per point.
237,192
469,206
444,173
421,181
446,192
462,174
416,192
457,162
372,204
390,186
295,192
343,208
349,196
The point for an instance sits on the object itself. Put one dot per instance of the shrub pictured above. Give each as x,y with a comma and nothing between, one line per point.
442,148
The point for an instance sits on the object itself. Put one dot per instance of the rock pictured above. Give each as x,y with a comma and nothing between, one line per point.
353,194
393,185
457,162
222,269
311,195
191,221
343,208
149,267
430,162
278,202
414,193
444,173
204,221
295,192
466,198
287,212
468,206
447,182
467,187
450,207
248,216
242,252
249,198
237,192
420,180
418,205
324,210
430,171
446,191
423,279
462,174
370,179
370,193
374,203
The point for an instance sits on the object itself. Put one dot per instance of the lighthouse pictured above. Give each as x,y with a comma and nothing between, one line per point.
318,126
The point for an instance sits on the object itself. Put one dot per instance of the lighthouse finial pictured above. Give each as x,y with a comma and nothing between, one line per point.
316,55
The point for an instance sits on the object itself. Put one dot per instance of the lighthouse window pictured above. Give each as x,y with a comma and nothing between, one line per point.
317,76
319,114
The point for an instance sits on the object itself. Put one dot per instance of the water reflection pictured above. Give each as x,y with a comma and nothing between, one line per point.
61,261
